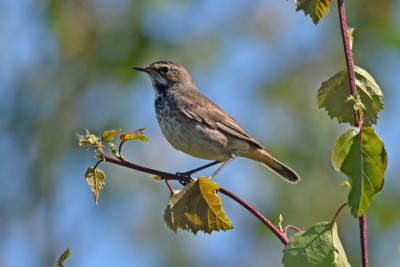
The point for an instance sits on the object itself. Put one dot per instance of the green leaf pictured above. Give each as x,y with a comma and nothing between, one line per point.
315,8
197,207
63,257
319,245
108,136
341,258
362,157
138,135
95,179
342,147
334,95
113,150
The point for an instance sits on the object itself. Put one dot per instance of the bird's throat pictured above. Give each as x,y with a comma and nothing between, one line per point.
161,89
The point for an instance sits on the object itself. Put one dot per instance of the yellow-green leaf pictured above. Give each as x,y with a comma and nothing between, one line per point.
197,207
345,184
315,8
108,136
95,179
82,139
113,150
158,178
63,257
350,34
138,135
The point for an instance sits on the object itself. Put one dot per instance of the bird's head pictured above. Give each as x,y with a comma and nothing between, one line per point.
164,74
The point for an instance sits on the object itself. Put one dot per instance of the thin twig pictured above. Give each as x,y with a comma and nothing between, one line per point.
169,187
357,121
125,163
339,210
291,227
363,237
97,164
348,55
275,230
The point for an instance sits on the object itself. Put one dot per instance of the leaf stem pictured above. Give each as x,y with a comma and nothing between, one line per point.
338,212
97,164
275,230
291,227
357,121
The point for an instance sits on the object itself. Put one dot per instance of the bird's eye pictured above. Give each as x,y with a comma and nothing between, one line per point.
164,69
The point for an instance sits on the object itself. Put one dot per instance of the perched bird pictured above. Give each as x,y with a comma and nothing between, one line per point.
197,126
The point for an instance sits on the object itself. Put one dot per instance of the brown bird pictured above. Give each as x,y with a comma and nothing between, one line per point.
197,126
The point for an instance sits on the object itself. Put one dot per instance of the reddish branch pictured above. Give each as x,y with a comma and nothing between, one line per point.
357,122
169,176
275,230
339,210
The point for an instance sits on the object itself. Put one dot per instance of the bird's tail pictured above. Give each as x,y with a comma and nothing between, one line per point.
282,170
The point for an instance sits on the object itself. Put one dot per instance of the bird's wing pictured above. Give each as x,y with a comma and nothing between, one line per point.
212,115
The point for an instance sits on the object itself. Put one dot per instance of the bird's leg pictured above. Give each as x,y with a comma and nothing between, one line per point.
185,176
232,157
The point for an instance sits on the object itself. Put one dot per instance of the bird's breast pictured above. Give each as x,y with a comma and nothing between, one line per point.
191,136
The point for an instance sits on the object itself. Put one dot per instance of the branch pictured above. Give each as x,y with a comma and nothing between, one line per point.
125,163
363,239
169,176
357,121
279,234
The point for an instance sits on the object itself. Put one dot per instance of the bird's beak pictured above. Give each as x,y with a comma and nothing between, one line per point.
144,69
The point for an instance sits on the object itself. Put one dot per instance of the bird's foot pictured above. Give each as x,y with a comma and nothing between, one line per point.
184,177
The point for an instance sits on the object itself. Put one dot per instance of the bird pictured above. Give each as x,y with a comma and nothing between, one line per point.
195,125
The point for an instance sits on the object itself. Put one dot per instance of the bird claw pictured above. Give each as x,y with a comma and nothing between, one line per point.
184,178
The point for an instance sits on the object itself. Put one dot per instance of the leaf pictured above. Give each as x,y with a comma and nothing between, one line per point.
334,95
345,184
113,150
350,31
138,135
63,257
95,179
108,136
362,157
315,8
97,155
158,178
341,259
82,140
197,207
280,223
319,245
89,139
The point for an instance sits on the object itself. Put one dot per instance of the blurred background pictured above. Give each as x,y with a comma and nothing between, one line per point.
66,66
